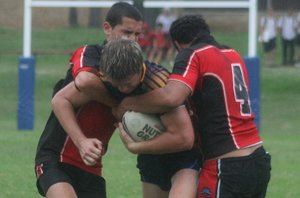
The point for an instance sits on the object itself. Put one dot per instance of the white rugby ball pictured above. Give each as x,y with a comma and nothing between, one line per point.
142,126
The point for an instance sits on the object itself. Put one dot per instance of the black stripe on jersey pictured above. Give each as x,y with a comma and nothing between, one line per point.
182,61
92,56
213,118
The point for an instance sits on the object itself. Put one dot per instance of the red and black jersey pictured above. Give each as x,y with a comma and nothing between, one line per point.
95,119
220,91
86,58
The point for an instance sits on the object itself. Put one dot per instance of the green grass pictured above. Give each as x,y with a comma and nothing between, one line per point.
280,93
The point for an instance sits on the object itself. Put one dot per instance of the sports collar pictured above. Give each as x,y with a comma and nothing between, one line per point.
143,72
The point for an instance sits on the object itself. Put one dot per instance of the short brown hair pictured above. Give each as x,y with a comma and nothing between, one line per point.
120,59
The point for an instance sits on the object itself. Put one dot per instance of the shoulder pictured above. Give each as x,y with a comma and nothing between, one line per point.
94,49
154,67
155,76
86,58
188,53
86,80
182,59
88,50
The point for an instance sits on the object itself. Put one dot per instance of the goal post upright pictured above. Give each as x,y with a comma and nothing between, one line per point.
26,76
27,61
253,62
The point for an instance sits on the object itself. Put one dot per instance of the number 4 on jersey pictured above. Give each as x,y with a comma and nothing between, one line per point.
240,90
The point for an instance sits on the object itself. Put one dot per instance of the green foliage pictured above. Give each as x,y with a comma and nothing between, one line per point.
280,93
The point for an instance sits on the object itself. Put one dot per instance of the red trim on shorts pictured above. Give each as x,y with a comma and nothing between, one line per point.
39,169
208,184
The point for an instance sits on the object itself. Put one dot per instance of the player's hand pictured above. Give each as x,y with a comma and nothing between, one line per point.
119,111
128,142
90,150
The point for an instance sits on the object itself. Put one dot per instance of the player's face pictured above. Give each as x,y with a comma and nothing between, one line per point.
127,85
129,28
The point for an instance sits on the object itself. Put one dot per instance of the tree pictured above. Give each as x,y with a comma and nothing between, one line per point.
73,17
94,17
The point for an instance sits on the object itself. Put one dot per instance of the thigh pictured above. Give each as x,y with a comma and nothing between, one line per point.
49,174
184,184
61,189
186,160
159,169
86,184
151,190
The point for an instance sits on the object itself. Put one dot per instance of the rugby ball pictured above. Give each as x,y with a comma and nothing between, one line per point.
142,126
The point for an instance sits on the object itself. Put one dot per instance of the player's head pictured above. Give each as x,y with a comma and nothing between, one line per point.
123,20
187,29
122,64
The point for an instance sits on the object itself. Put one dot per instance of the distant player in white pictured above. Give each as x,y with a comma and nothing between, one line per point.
268,29
287,25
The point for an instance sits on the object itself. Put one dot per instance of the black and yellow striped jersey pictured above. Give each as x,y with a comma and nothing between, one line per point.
155,76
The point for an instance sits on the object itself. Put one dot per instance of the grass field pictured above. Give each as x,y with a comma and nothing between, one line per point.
280,93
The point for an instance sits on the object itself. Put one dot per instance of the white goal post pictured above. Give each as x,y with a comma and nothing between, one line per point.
251,5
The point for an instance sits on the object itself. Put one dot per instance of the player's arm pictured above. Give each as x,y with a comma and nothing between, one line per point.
157,101
90,84
63,104
179,135
85,88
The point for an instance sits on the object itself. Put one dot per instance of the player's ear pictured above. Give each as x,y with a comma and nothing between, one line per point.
107,29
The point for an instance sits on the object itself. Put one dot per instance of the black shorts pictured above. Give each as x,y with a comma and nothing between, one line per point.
236,177
159,169
270,45
84,183
298,39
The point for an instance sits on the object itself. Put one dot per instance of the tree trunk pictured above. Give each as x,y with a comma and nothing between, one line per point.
73,19
94,17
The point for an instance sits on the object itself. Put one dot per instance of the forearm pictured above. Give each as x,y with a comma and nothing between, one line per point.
179,135
166,143
149,103
91,85
159,100
66,115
